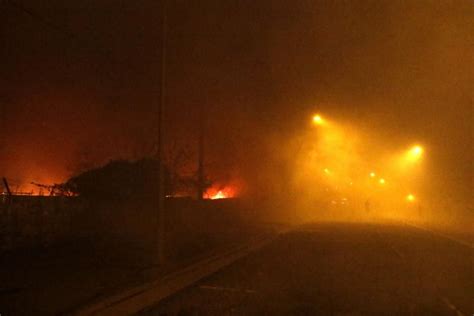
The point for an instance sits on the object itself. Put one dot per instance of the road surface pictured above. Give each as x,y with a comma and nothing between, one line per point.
339,269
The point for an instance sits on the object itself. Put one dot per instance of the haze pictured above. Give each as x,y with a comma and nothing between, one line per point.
80,86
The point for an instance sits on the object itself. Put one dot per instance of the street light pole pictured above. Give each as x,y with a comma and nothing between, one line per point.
200,190
160,237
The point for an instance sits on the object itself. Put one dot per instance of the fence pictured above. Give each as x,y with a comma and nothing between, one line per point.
33,221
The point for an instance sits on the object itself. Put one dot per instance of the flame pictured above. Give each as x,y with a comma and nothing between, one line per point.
218,195
214,193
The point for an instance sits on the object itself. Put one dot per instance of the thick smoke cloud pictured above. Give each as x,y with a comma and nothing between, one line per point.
81,83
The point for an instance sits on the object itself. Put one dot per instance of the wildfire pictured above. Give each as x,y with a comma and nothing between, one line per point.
33,189
219,193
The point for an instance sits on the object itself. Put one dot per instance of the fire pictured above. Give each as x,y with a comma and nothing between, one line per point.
32,188
218,195
214,193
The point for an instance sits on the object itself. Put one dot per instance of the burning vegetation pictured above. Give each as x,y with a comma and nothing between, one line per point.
220,192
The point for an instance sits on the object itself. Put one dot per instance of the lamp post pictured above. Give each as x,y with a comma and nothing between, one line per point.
160,220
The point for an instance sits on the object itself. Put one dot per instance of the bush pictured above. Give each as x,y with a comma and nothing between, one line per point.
120,179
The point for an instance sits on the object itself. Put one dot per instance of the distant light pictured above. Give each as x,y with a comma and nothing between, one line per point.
317,119
410,198
415,152
382,181
326,171
372,174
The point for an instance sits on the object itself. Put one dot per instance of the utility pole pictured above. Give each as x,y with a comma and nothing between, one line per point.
3,123
3,118
200,191
160,238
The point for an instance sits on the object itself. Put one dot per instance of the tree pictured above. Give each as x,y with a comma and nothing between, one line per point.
120,179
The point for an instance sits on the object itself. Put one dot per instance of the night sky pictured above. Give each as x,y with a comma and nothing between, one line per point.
80,80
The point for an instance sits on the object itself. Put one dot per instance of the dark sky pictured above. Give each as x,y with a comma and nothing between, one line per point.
80,79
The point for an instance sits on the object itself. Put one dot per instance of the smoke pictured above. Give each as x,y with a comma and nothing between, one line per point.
387,74
394,75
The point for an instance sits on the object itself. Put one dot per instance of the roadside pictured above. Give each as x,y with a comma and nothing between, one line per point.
465,238
337,269
138,298
61,280
64,278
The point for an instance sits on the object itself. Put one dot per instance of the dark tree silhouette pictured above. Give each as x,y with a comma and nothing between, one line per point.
120,179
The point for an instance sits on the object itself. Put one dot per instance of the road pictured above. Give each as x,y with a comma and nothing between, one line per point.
339,269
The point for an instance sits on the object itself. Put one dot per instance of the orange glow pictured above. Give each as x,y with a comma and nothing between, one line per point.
416,150
214,193
317,119
218,195
414,153
410,198
29,188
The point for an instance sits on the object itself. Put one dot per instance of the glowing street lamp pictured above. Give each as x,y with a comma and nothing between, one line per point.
410,198
382,181
372,174
318,120
415,152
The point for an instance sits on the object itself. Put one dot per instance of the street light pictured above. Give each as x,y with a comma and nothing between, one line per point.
318,120
410,198
382,181
372,174
415,152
